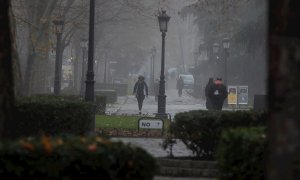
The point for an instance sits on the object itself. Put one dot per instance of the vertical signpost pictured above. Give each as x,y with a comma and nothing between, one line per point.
232,95
237,95
242,95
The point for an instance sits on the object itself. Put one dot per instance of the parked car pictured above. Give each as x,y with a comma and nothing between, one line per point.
188,81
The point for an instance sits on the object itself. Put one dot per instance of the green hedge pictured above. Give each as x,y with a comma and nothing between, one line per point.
110,94
100,104
69,90
200,130
50,115
74,158
240,154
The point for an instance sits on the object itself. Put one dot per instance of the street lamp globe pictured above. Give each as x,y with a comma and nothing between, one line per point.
163,20
59,25
226,43
216,47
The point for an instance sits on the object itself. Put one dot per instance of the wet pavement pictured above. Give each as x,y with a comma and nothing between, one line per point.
174,104
154,146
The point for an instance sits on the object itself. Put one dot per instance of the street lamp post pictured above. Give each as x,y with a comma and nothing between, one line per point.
216,48
153,53
201,51
84,46
59,25
226,45
105,67
196,56
163,20
89,91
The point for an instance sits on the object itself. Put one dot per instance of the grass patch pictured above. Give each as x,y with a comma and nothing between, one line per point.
121,122
124,122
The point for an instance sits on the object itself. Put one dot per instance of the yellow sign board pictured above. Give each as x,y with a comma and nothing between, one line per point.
232,95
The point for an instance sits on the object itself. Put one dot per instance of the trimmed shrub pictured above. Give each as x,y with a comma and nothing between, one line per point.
110,94
100,104
50,114
240,154
120,88
200,130
69,91
74,158
47,97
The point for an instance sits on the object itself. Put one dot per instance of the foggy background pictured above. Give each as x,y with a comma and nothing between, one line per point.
127,30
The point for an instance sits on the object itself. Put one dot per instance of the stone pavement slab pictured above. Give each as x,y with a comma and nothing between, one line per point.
153,146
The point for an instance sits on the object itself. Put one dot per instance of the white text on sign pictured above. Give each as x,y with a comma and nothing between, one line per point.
150,124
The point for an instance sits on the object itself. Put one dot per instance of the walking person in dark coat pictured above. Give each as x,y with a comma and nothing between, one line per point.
179,86
209,105
217,93
140,90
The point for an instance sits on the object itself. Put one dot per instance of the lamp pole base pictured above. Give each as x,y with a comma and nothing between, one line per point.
162,116
161,112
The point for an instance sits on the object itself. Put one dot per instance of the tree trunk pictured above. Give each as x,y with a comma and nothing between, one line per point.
15,58
36,75
6,74
28,73
37,70
284,90
77,63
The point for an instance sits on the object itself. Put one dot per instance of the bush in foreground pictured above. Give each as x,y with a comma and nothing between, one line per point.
74,158
201,130
241,152
50,114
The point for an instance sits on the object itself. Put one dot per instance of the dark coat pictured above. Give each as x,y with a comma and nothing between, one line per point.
180,83
140,89
217,94
209,105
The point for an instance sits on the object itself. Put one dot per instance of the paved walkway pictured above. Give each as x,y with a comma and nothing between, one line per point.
128,105
154,146
174,104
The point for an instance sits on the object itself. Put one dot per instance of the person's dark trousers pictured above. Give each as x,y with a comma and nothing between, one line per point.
179,92
140,99
218,106
209,105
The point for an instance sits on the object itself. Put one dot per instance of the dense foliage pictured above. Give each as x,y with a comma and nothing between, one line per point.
74,158
100,102
200,130
50,114
110,94
240,154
